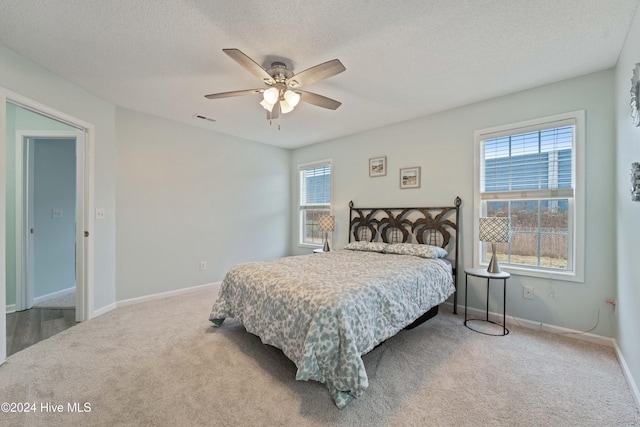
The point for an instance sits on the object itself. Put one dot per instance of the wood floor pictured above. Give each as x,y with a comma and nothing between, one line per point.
25,328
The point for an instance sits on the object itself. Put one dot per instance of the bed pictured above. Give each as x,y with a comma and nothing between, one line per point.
326,310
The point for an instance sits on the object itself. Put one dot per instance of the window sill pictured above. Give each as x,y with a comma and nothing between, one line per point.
310,246
568,276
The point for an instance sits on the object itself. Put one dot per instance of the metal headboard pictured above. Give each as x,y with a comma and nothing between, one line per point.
436,226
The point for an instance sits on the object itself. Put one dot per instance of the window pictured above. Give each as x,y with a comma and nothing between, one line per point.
531,172
315,200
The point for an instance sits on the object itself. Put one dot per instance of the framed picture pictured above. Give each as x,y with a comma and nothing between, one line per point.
378,166
635,182
410,177
635,95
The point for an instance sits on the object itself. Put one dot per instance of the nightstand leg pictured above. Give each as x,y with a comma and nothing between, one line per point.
466,281
487,299
504,307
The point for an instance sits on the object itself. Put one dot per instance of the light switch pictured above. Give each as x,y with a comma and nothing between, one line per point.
56,213
101,213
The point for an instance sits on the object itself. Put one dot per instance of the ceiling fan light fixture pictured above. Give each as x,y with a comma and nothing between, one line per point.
267,105
271,95
292,98
285,107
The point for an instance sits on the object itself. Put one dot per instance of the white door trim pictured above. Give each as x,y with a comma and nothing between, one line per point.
85,160
23,200
3,224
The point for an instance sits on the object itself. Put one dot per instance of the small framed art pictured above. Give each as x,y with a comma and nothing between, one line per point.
378,166
635,182
410,177
635,95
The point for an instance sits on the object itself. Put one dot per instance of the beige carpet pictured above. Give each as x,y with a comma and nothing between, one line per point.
161,364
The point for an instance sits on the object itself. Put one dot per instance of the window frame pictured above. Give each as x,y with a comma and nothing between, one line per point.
301,208
576,209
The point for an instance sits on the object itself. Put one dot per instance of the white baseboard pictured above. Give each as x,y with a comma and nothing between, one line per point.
38,300
103,310
627,374
161,295
553,329
131,301
11,308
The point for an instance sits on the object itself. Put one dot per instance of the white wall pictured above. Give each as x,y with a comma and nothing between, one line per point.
187,195
25,78
442,145
627,212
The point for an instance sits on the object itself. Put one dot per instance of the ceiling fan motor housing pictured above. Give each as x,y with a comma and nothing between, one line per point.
279,72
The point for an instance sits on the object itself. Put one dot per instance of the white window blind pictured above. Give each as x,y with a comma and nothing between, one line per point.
535,162
315,186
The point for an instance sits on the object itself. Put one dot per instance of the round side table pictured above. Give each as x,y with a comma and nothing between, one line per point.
483,273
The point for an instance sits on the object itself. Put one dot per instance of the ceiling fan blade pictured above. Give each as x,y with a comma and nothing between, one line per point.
249,64
319,100
317,73
234,93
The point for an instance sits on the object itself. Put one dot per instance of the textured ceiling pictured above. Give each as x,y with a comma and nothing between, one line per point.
403,59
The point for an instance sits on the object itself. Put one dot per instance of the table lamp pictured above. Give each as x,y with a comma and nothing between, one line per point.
494,230
326,224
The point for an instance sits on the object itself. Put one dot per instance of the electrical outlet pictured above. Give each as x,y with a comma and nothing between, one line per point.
527,292
203,265
613,303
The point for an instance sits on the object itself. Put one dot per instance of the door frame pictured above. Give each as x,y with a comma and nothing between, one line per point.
85,164
24,214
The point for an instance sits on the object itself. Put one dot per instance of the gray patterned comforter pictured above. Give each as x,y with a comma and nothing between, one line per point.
325,311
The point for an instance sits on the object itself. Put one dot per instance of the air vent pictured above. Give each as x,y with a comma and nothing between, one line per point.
199,116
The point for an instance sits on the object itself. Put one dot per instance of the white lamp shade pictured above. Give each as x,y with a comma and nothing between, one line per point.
271,95
326,223
292,98
494,229
285,107
266,105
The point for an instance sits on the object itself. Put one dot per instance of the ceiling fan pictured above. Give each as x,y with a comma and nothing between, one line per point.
283,92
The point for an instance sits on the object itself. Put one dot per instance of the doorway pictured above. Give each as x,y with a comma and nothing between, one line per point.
46,203
36,139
